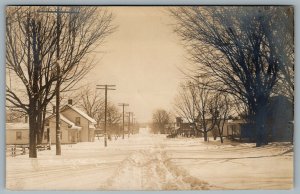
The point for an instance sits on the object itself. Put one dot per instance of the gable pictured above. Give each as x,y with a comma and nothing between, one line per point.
79,112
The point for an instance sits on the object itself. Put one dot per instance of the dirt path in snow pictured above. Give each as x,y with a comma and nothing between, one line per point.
151,169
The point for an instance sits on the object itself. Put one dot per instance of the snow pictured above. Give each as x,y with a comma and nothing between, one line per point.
152,162
17,126
62,117
92,127
82,113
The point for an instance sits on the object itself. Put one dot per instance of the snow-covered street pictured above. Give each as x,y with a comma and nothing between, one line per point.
152,162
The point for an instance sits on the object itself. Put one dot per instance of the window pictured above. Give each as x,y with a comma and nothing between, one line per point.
18,135
77,121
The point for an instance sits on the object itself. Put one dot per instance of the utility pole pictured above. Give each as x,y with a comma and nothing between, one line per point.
129,113
123,105
58,13
105,87
132,123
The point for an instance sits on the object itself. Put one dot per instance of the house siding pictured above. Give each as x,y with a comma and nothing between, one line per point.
11,136
66,135
84,124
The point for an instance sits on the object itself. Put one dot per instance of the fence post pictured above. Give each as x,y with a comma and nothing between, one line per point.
23,150
13,151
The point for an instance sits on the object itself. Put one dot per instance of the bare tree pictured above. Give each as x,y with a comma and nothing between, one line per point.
160,118
31,61
239,49
285,49
194,103
219,110
113,115
93,104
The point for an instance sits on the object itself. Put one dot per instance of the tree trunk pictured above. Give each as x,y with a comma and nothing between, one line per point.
33,101
220,134
205,135
32,135
39,129
260,120
41,126
221,138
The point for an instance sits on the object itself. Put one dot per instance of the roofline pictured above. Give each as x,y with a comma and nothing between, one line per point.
70,106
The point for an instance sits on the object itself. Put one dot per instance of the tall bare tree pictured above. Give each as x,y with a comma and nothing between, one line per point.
93,104
240,49
220,109
160,118
194,103
31,61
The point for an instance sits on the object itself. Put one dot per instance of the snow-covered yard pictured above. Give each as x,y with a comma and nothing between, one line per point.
153,162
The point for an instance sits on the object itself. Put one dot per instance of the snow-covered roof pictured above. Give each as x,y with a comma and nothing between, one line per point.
63,118
17,126
76,127
92,127
239,121
80,112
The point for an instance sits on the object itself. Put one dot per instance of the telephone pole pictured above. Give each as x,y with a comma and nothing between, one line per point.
105,87
129,113
132,124
123,105
58,13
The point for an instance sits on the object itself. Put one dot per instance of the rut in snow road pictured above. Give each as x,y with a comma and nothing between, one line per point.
151,170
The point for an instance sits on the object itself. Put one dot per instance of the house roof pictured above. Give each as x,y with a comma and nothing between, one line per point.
239,121
76,127
63,118
17,126
83,114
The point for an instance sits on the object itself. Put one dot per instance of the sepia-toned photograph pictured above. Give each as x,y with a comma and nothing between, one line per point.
149,98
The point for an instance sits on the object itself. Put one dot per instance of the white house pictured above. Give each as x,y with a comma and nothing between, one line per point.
75,125
81,127
69,132
17,133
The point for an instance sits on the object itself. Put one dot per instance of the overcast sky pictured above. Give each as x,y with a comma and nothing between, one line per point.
142,59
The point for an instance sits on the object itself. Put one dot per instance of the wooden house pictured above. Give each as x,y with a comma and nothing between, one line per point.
69,132
17,133
81,119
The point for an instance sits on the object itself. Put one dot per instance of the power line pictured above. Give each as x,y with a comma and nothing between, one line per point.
123,105
105,88
129,113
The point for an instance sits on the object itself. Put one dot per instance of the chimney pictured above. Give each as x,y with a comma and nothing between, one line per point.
54,109
70,101
26,119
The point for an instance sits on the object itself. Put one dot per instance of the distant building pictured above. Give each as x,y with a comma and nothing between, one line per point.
188,129
185,128
279,122
279,119
237,129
